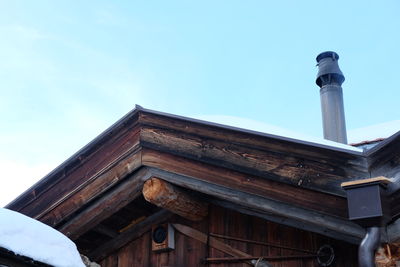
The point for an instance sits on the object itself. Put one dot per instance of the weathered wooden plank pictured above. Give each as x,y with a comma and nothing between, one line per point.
124,127
194,251
217,224
72,201
190,252
162,259
288,214
125,256
110,261
257,231
212,241
174,199
104,207
240,230
299,170
234,180
336,233
384,159
227,221
230,222
86,169
243,136
139,251
129,235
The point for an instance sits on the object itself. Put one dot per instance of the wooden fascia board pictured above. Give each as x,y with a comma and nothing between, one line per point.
230,133
251,184
51,180
388,142
291,163
56,191
103,207
283,213
286,214
359,161
33,202
353,233
55,205
65,205
385,160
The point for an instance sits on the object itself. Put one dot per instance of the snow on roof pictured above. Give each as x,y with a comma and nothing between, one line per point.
31,238
257,126
373,132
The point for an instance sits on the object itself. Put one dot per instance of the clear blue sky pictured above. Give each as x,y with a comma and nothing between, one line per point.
69,69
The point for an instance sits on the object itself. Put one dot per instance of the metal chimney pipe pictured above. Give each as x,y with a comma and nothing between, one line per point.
330,79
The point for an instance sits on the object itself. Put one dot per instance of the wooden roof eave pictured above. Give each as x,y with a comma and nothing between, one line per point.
295,162
356,160
261,206
309,167
76,160
266,206
142,119
305,205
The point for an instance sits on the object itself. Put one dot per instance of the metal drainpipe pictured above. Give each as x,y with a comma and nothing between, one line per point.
366,250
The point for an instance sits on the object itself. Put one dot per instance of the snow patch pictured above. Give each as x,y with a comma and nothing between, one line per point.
31,238
261,127
373,132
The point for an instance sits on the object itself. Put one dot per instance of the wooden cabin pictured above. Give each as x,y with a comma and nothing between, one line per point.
157,189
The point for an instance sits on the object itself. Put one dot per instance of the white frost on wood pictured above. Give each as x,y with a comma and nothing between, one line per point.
31,238
257,126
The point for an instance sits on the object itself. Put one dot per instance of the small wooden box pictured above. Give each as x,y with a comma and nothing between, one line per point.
162,237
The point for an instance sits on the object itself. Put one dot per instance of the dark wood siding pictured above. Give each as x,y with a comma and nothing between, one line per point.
190,252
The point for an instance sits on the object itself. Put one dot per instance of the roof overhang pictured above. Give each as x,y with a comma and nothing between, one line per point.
274,177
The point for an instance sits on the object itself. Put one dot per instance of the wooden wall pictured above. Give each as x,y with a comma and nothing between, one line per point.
190,252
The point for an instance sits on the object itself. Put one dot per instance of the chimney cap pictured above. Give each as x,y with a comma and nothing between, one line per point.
327,54
328,69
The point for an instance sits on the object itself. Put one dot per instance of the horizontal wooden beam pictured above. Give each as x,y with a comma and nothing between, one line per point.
288,162
198,171
246,137
334,232
174,199
65,206
283,213
129,235
78,172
